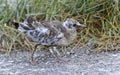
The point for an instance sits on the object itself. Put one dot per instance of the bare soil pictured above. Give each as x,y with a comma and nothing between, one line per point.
79,62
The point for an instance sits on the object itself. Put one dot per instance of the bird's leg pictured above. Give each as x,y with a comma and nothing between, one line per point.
58,53
55,52
64,50
32,55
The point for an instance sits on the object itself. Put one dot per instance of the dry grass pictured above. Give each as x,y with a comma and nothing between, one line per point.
102,18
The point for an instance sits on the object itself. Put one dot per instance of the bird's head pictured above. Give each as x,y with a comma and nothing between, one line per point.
73,24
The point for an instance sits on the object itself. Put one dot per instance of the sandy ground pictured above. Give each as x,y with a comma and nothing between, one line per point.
80,62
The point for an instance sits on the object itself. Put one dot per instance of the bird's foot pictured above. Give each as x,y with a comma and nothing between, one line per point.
33,61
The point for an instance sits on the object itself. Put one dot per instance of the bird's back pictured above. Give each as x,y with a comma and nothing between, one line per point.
45,32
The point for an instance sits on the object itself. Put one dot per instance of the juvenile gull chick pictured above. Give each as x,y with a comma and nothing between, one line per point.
49,33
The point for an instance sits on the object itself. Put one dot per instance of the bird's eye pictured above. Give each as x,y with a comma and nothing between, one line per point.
74,25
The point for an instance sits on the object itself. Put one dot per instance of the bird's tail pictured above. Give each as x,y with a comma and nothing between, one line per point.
24,26
16,24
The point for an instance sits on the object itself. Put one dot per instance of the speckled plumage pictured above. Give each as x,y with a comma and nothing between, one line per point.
50,33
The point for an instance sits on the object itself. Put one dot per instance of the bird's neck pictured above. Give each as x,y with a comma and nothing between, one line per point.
71,35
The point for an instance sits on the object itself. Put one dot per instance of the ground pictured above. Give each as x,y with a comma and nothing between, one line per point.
79,62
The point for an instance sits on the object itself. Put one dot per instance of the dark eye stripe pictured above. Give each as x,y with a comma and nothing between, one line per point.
74,25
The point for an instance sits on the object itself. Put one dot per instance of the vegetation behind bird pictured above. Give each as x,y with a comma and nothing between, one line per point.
101,17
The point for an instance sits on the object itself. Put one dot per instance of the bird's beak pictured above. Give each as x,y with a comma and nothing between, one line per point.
80,25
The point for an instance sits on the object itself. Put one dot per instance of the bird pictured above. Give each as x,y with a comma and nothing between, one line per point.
50,33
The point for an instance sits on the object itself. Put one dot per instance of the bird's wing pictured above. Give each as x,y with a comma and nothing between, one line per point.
54,24
45,35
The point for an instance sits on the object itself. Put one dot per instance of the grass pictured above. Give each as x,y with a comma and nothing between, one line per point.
102,18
